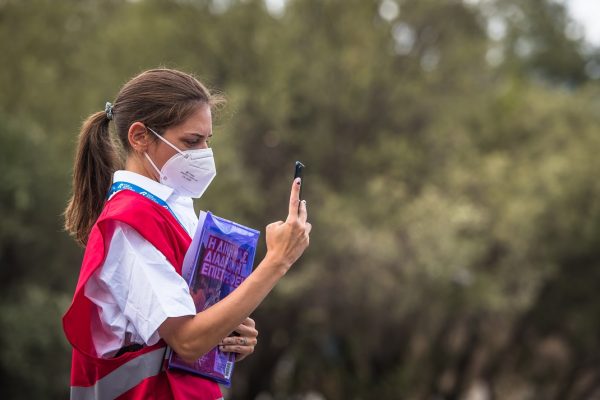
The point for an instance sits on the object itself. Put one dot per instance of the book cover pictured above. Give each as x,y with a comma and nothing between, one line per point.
220,257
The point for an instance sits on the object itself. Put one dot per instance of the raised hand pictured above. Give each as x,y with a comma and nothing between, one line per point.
286,241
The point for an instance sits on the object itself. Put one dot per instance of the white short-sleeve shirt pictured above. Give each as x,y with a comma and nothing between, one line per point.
137,289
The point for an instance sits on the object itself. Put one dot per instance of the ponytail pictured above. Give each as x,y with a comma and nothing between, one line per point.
96,160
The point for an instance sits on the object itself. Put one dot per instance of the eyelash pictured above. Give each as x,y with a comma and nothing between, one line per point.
192,143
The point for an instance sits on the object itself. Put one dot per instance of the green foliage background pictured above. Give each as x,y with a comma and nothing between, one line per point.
451,151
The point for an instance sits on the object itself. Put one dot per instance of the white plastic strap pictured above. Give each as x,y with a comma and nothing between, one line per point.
166,141
152,163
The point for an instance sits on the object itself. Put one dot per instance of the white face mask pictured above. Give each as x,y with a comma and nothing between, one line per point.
188,172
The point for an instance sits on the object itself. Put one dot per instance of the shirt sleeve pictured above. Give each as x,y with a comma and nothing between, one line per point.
141,285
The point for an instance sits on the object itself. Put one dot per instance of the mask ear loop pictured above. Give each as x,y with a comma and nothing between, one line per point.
154,165
160,175
185,155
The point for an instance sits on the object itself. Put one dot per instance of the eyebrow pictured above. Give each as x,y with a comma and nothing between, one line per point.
199,134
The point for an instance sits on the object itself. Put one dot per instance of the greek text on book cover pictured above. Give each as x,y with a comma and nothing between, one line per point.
220,257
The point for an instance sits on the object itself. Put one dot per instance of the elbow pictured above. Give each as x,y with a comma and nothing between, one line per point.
190,351
189,358
189,341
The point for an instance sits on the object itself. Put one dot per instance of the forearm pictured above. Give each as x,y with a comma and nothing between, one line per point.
191,337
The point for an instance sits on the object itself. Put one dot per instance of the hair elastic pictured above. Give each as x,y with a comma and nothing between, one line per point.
108,109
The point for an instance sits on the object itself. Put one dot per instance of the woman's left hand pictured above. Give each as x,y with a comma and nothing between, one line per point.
243,344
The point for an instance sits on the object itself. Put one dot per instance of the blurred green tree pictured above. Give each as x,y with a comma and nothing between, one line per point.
451,160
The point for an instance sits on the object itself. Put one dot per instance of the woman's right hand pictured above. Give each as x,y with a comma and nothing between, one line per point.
193,336
286,241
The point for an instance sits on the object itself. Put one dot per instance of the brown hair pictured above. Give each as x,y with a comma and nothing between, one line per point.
159,98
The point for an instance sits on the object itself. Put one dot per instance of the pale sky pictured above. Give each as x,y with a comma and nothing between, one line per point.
587,13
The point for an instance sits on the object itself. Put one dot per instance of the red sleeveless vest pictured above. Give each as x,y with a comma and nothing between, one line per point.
140,374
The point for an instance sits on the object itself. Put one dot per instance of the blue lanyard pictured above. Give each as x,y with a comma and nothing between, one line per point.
118,186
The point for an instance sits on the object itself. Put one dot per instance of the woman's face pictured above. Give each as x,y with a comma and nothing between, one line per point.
193,133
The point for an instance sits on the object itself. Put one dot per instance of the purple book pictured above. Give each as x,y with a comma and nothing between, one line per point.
220,257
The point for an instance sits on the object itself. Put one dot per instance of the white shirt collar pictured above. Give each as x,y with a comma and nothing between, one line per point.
161,191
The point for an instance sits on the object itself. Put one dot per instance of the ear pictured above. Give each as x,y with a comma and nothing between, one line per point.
138,137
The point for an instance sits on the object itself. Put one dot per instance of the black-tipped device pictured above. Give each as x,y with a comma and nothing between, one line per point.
298,174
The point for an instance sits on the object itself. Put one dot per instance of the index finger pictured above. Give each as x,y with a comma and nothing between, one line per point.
245,330
294,201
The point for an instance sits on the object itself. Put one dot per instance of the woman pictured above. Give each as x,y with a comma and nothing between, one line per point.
131,302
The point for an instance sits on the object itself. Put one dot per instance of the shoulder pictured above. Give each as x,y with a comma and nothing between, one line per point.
126,237
140,213
149,220
128,203
126,249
